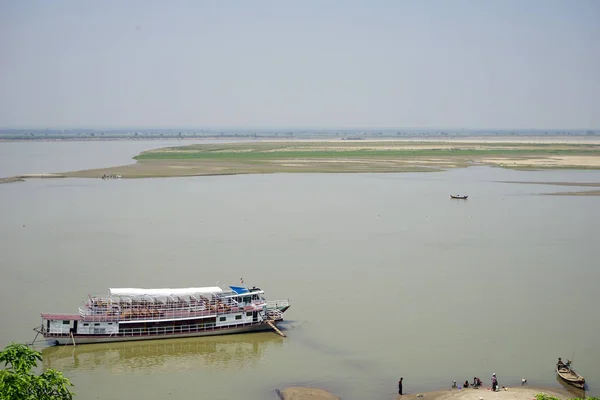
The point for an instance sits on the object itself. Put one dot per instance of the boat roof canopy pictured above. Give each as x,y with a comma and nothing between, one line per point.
164,292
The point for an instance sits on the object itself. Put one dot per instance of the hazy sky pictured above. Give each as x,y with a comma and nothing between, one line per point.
421,63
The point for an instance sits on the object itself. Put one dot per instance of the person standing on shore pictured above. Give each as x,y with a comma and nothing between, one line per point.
400,386
494,382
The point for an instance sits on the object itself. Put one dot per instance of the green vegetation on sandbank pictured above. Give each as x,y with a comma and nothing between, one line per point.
384,156
370,150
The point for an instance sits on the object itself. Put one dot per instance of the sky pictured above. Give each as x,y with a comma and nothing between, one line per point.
502,64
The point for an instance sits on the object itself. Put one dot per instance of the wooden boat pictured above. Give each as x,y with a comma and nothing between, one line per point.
568,374
459,197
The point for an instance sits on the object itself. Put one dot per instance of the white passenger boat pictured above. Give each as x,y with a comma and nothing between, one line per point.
127,314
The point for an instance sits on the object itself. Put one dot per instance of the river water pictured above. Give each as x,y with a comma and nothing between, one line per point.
387,276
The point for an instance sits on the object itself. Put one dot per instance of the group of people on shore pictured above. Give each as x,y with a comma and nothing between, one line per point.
475,385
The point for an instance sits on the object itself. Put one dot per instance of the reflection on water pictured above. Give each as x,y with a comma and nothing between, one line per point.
576,392
218,352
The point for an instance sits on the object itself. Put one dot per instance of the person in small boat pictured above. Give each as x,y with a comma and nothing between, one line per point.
466,384
560,364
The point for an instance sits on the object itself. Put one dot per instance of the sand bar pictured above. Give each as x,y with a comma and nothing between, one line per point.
517,393
20,178
342,156
595,192
348,156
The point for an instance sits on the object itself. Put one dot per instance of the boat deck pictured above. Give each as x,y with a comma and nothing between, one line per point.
141,315
64,317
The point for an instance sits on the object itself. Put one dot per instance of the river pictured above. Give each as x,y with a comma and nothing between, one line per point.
387,276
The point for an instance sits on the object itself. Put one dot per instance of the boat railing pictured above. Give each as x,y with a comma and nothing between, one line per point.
168,330
139,314
271,304
274,314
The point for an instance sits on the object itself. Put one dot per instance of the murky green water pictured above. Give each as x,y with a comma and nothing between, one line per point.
387,277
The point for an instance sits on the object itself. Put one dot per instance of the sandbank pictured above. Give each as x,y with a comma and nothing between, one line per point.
302,393
349,156
577,193
517,393
21,178
595,192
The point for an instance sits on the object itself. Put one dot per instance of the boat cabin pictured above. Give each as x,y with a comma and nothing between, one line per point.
244,296
73,324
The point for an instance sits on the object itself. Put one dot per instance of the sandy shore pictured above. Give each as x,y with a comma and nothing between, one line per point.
517,393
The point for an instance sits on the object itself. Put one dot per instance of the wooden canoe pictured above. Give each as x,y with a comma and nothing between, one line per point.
458,197
571,377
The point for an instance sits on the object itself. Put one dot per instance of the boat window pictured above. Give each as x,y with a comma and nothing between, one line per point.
249,314
85,324
97,324
65,322
222,318
238,317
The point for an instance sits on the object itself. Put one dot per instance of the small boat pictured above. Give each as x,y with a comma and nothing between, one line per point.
568,374
458,197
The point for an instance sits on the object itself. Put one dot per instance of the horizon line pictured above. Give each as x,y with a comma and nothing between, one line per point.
290,128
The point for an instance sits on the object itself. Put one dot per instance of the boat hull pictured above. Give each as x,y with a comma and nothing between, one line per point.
572,378
88,339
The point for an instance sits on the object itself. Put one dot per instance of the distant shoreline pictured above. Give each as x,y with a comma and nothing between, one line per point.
589,139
